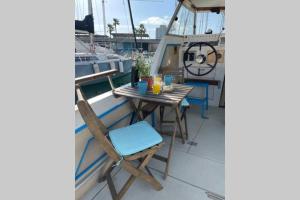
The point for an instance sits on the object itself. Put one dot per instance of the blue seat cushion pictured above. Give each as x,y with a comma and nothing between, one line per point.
184,103
134,138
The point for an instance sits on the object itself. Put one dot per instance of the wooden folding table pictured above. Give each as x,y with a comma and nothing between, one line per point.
171,99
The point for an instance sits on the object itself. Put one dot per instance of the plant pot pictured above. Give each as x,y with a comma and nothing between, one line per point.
149,79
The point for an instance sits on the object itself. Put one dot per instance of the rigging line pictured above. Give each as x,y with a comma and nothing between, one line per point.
202,16
76,9
200,23
126,15
222,21
186,20
83,9
82,43
180,22
97,15
80,10
221,29
206,22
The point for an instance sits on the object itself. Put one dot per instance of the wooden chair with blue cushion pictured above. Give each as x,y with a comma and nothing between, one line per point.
202,102
138,142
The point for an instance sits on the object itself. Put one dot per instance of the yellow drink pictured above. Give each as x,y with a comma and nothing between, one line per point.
157,79
156,88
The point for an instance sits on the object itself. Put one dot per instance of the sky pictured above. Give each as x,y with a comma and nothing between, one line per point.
151,13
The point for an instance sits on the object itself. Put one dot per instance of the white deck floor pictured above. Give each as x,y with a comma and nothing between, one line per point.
195,170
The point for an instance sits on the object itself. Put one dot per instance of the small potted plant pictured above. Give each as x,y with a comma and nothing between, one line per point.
144,70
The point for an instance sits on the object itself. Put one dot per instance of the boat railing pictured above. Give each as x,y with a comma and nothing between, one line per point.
92,77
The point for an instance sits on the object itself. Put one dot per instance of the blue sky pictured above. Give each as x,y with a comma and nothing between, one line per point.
151,13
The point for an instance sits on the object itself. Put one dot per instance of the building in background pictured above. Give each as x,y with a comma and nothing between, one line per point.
123,42
161,31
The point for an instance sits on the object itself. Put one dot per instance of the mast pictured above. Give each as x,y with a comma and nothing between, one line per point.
90,12
132,25
104,19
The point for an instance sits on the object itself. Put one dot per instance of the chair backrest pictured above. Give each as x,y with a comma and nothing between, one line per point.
94,124
177,73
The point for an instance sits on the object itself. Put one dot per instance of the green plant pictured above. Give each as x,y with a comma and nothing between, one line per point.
143,66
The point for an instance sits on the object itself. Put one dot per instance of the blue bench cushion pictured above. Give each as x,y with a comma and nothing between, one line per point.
134,138
184,103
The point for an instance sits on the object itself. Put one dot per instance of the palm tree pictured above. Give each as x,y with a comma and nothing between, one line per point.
115,23
110,30
141,32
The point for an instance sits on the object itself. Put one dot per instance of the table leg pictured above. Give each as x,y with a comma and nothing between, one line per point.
185,124
170,152
136,110
161,116
179,124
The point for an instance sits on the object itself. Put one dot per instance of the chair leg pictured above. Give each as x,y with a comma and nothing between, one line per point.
203,108
185,125
147,169
153,119
137,116
105,174
137,172
170,152
105,169
161,116
132,118
111,187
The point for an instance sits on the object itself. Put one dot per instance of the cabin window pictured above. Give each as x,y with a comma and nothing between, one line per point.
205,21
183,25
209,20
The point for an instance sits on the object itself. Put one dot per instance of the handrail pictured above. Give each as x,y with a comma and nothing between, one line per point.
88,78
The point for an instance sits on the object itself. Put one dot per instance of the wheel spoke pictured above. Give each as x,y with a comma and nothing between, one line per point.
189,65
210,65
210,53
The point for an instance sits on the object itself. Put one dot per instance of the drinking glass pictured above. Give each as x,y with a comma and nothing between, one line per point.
156,88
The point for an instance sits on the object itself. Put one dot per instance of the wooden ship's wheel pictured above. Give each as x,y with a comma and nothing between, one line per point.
201,59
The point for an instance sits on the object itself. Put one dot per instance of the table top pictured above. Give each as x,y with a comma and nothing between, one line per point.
174,97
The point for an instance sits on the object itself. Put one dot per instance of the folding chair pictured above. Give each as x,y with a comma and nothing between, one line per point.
124,145
202,102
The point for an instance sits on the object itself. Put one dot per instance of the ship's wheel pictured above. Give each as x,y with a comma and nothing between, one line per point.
202,63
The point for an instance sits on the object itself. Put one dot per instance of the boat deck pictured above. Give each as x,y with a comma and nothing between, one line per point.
197,168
